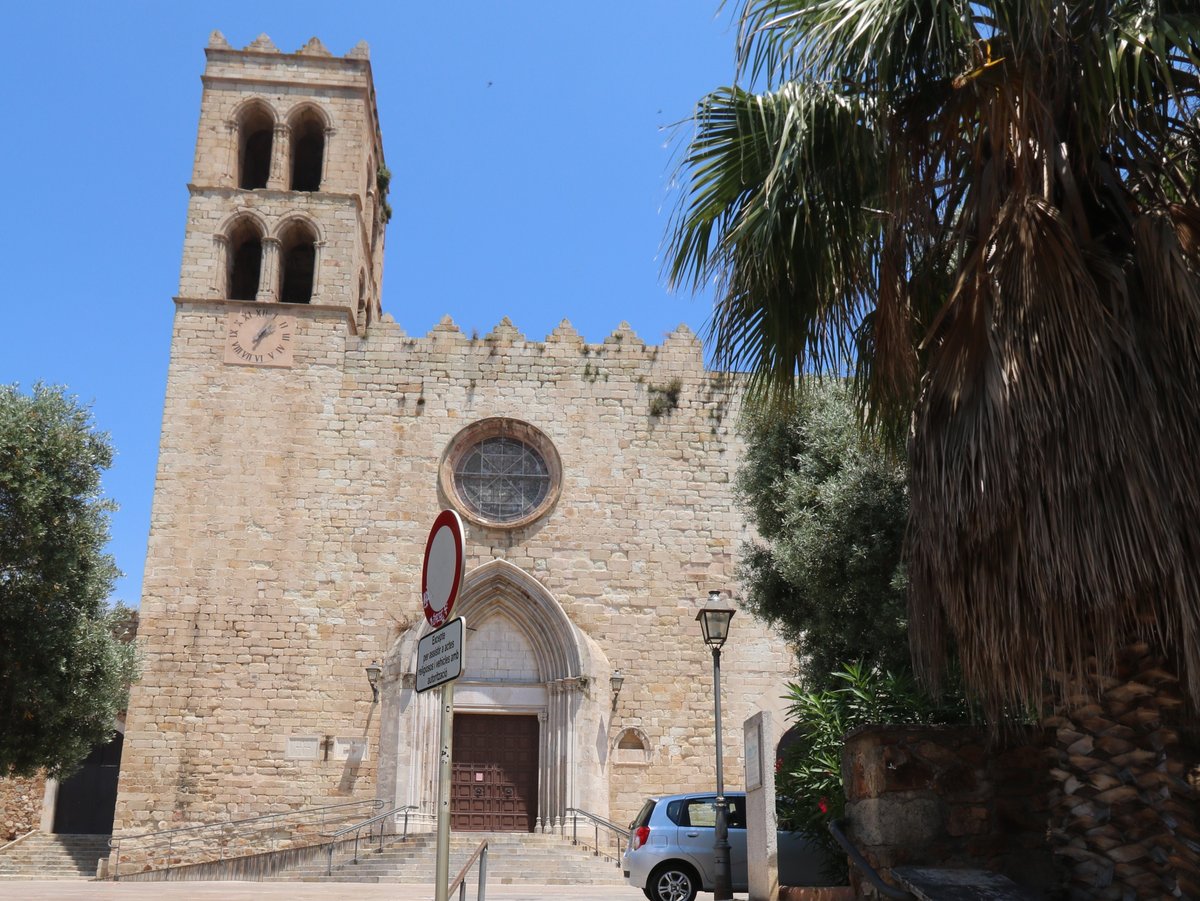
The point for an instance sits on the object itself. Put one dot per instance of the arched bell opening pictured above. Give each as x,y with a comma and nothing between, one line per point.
298,246
308,150
244,260
256,131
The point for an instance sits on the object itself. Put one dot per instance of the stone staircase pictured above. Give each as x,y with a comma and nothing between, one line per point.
43,856
513,858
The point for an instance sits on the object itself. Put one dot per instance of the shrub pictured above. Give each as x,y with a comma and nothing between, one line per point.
809,782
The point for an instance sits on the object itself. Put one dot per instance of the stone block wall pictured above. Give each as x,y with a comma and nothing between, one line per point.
20,806
291,509
943,796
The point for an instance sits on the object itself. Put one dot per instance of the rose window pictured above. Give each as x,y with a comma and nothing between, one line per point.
501,473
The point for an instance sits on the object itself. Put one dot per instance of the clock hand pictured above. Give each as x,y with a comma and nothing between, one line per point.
262,333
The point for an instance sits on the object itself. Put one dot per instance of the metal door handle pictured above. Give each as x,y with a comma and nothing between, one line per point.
692,834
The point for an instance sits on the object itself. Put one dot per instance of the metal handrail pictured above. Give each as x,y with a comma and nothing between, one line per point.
357,828
189,833
598,822
460,881
856,858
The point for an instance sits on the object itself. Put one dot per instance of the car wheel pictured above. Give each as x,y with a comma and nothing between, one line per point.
673,882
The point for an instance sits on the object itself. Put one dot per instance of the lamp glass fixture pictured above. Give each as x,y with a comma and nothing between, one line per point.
616,682
714,621
374,671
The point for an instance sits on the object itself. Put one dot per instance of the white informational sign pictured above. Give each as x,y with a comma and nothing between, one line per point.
440,655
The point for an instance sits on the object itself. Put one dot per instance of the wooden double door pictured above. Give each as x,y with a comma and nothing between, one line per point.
495,773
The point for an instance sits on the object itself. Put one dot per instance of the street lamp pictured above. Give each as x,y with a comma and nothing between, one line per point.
615,682
374,670
714,623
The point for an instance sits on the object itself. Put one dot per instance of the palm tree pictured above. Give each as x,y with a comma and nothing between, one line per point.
992,208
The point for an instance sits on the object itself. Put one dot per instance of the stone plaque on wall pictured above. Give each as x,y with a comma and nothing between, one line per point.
352,749
302,747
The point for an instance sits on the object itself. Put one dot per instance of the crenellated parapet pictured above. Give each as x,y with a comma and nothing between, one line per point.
264,44
622,344
662,386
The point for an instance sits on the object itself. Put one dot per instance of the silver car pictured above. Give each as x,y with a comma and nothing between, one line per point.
670,851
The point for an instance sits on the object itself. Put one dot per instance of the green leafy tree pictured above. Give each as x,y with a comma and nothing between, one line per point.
64,675
829,506
993,208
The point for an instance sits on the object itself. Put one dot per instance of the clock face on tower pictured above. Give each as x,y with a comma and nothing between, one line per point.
259,337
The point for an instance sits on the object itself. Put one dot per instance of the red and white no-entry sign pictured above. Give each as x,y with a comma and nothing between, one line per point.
442,573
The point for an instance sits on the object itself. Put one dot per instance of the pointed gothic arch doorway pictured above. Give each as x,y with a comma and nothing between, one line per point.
525,662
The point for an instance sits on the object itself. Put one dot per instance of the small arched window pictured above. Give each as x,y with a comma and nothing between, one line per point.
308,151
299,249
364,318
631,747
256,131
245,260
630,741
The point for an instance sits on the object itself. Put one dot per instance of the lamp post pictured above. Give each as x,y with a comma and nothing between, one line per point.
714,624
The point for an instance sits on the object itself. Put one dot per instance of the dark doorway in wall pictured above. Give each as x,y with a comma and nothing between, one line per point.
87,801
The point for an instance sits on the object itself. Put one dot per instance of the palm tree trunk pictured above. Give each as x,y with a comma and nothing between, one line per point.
1125,818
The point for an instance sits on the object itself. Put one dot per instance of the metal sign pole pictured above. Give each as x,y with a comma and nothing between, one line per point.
442,874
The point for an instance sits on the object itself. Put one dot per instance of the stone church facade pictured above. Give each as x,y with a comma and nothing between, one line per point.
308,443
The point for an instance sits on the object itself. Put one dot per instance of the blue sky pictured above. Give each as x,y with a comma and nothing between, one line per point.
530,145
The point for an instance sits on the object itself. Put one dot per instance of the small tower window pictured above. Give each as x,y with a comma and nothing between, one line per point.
255,134
245,260
308,151
299,247
364,318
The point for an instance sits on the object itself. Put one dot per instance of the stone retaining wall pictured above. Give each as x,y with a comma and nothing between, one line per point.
20,806
942,796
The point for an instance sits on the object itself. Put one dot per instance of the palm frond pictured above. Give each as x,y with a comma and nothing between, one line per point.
1000,202
778,208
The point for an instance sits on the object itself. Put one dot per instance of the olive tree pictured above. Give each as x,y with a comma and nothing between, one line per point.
64,675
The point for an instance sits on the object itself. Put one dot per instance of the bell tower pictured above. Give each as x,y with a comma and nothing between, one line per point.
251,696
288,191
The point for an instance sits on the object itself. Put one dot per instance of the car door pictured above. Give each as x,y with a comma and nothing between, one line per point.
739,872
697,819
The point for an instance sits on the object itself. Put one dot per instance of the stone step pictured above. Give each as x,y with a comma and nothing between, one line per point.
512,859
64,856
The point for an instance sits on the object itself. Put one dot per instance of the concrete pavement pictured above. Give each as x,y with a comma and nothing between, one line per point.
35,890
